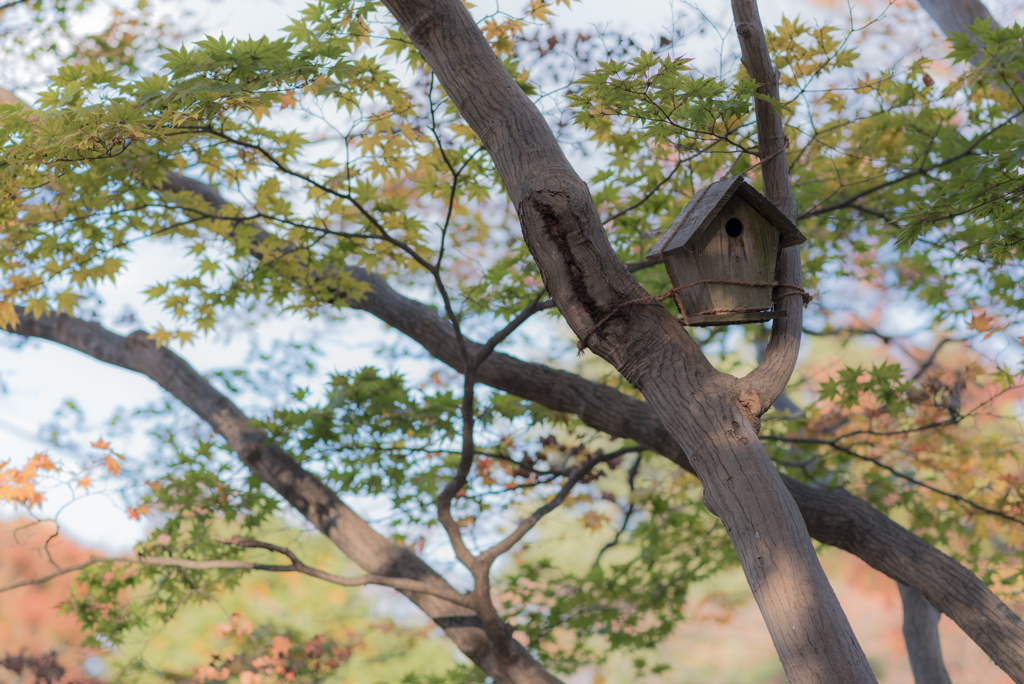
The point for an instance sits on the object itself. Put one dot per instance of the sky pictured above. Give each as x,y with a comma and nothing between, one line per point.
38,378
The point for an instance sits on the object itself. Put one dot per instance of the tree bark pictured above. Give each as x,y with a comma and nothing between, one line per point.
322,507
921,632
702,409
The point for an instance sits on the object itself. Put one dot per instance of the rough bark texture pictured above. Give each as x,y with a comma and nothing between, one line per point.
322,507
921,632
700,407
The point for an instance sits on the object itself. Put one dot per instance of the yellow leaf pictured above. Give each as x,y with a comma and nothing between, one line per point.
593,520
66,302
317,85
161,337
539,10
8,315
37,307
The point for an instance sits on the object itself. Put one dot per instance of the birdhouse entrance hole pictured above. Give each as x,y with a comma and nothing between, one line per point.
733,227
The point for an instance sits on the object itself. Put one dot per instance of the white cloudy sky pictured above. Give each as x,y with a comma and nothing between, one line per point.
39,377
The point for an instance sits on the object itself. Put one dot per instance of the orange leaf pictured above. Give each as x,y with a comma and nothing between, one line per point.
593,520
134,513
113,466
85,482
281,645
288,99
100,444
18,486
982,322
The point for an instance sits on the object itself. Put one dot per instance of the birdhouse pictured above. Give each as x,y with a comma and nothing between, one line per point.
721,254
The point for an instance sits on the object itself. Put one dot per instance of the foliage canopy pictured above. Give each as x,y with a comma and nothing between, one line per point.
285,174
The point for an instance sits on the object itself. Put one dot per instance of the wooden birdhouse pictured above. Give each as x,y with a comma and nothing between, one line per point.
723,250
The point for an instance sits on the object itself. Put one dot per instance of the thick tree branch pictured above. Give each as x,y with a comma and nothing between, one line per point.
954,16
769,379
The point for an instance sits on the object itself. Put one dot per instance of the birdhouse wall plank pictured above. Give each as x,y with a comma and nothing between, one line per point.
738,257
766,246
682,270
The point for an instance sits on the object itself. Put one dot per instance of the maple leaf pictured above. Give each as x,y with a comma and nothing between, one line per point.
161,337
259,112
100,444
134,513
113,466
288,99
982,322
593,520
85,482
18,486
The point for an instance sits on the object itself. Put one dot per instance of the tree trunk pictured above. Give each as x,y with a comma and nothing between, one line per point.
701,408
921,632
742,487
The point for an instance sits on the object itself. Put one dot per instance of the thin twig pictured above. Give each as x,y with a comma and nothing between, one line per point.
400,583
634,469
904,476
648,196
528,523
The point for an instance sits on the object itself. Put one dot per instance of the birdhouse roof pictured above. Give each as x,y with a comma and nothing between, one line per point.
706,205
